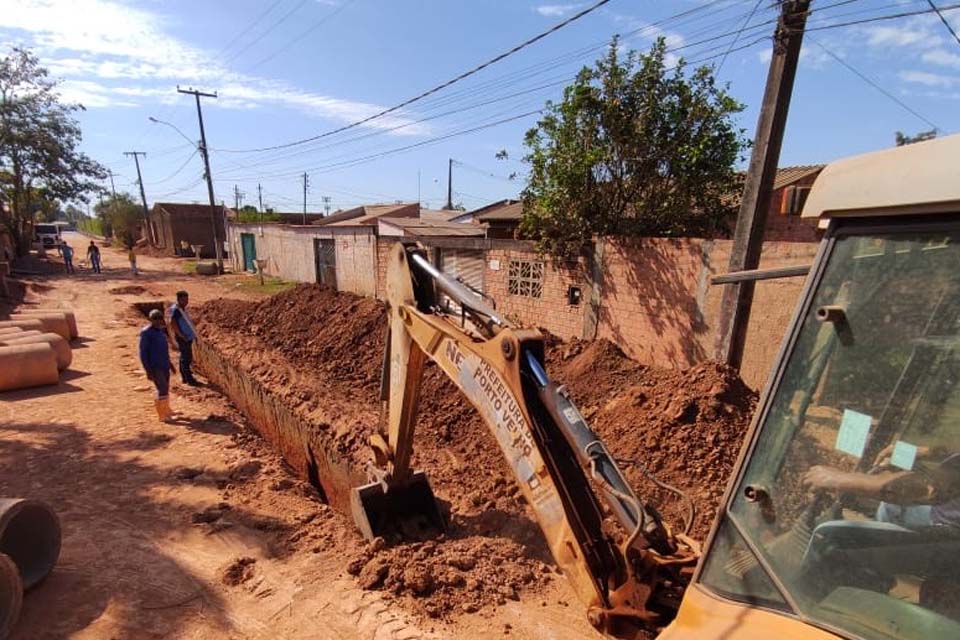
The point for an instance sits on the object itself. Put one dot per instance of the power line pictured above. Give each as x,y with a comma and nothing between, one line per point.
891,16
439,87
303,35
249,26
737,37
179,169
260,37
875,85
944,21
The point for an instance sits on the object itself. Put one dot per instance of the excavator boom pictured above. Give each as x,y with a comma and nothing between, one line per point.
555,457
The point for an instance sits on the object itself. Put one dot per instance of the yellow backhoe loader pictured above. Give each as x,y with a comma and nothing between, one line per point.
842,518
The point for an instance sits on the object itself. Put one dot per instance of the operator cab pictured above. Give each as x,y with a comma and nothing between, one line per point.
846,510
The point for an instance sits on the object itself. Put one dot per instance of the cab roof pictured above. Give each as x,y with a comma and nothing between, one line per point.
918,178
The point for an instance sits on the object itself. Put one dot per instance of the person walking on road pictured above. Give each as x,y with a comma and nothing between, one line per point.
93,255
132,257
155,358
183,332
67,251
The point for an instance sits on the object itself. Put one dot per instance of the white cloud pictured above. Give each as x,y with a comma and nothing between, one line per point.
928,79
942,57
93,44
555,10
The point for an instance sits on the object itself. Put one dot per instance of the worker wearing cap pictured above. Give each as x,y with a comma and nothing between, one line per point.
181,326
155,358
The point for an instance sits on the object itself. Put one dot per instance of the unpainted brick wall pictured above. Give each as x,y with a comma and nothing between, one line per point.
792,228
551,311
658,306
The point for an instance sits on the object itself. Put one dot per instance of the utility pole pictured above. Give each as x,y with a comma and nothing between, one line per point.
306,182
449,206
113,189
206,164
237,197
143,196
260,196
326,205
757,189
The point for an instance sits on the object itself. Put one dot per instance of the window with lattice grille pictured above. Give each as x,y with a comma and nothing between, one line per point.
525,278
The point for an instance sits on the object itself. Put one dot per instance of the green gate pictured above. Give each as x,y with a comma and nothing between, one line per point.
249,251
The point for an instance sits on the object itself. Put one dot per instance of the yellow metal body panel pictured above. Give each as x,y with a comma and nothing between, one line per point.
703,616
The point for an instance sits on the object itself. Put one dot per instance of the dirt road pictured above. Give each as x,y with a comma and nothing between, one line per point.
192,530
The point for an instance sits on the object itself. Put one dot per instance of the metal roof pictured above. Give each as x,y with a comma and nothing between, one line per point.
913,179
788,175
507,210
369,214
420,227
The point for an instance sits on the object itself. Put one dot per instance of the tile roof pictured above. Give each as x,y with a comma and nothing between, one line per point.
788,175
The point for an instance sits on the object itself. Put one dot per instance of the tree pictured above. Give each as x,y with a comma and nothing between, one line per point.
121,217
902,139
39,142
633,149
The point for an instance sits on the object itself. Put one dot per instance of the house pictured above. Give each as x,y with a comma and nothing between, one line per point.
369,214
422,227
502,218
172,223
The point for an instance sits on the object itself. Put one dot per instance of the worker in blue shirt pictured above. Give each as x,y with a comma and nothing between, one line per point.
155,358
181,326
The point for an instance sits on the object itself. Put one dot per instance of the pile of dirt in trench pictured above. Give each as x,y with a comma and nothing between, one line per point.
685,427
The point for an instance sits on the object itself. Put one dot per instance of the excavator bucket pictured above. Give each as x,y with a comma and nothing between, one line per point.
405,512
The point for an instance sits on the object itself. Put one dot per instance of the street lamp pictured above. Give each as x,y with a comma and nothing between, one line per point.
172,126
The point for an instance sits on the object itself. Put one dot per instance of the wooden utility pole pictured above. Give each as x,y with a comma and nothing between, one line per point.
449,206
237,198
218,247
113,189
260,196
751,221
306,182
143,195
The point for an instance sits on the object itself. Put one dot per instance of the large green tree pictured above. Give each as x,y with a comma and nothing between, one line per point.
634,148
121,217
39,140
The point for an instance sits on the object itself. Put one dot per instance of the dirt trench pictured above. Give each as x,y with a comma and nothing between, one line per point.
304,366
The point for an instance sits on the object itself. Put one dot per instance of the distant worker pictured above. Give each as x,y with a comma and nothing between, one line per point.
67,252
182,328
132,257
93,255
185,249
155,358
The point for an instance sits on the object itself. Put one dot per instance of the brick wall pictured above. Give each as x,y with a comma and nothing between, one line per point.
384,246
551,311
659,307
783,228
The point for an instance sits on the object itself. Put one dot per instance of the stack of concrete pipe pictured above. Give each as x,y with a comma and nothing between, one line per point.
35,347
29,548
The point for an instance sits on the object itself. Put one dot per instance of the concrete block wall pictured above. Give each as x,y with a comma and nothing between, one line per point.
356,251
289,253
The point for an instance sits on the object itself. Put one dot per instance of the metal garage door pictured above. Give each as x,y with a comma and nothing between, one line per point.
466,265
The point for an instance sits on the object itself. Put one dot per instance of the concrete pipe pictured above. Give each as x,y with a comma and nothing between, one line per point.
30,535
27,365
11,595
22,334
60,346
52,322
69,315
25,325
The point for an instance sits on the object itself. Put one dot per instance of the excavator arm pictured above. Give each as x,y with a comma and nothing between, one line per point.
556,458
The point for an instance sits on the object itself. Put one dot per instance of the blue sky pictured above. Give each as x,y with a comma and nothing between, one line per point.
289,69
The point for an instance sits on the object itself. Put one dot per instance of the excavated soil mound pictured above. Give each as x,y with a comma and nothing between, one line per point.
684,427
450,576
